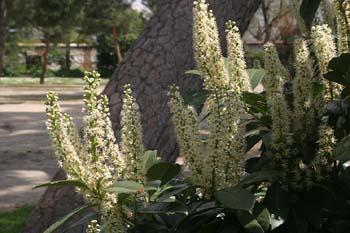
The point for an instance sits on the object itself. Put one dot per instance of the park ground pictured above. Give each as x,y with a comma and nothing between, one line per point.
26,156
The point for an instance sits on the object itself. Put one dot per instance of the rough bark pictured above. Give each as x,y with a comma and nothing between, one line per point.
3,22
117,50
45,58
54,204
159,58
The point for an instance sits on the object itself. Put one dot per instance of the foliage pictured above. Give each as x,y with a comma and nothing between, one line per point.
13,222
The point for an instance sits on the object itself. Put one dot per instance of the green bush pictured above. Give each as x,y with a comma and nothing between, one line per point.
68,73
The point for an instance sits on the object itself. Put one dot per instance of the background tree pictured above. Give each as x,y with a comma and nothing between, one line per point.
111,17
51,16
3,29
158,59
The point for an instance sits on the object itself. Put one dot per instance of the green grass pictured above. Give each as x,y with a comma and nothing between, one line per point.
28,81
13,222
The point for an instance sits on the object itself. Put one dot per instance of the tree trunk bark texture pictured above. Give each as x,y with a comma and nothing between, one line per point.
54,204
3,23
45,58
158,59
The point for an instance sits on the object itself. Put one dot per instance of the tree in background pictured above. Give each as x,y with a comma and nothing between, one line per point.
51,17
112,19
3,24
274,21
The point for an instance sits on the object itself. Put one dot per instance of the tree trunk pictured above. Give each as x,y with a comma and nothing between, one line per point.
3,23
117,50
158,59
67,56
45,58
54,204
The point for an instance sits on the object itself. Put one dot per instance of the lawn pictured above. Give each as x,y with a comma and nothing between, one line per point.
13,222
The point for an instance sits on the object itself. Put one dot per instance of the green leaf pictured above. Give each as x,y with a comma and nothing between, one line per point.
165,207
195,98
61,221
317,89
150,159
256,76
152,185
125,187
63,183
255,101
236,198
263,218
175,191
163,171
308,10
195,72
277,201
339,226
342,151
259,176
339,70
249,223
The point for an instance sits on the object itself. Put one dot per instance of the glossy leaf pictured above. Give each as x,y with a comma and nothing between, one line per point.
126,187
277,201
342,151
63,183
165,207
61,221
249,223
255,76
236,198
150,159
260,176
194,72
263,218
163,171
339,70
308,10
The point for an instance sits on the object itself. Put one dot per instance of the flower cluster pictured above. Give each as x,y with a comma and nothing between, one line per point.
216,162
95,160
304,112
278,106
343,20
93,227
131,134
325,49
239,78
324,45
206,46
326,145
187,131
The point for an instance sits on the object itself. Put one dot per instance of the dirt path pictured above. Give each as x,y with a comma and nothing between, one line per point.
26,157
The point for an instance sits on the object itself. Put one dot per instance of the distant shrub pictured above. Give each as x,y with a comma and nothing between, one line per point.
68,73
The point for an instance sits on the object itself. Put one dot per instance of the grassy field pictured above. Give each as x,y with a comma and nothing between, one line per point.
27,81
13,222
